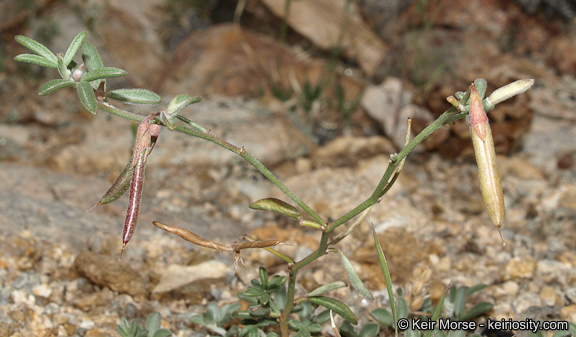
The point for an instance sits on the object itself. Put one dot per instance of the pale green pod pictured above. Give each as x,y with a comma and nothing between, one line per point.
488,174
486,159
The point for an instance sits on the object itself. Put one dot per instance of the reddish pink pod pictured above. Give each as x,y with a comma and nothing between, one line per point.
136,188
145,141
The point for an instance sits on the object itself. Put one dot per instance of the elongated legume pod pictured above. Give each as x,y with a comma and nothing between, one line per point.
486,159
140,153
136,188
118,188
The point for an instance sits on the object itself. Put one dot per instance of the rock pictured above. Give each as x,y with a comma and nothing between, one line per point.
329,24
571,294
391,104
511,288
519,168
175,276
519,268
526,300
260,64
349,150
106,271
548,296
127,36
457,59
42,290
96,299
244,123
394,241
568,313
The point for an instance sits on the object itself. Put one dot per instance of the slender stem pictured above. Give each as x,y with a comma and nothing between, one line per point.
119,112
385,183
283,319
237,150
284,27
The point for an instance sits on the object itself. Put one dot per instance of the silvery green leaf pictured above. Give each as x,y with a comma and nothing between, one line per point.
336,306
92,61
62,69
54,85
460,301
326,288
91,57
180,102
355,278
36,59
276,205
383,317
87,97
38,48
73,48
101,73
477,310
153,322
369,330
481,86
162,333
135,96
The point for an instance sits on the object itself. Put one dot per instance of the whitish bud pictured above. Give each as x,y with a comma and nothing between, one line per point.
77,74
509,90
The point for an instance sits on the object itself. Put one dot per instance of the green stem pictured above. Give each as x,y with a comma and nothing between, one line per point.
284,27
280,255
237,150
385,183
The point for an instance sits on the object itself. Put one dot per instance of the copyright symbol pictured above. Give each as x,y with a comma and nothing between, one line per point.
403,324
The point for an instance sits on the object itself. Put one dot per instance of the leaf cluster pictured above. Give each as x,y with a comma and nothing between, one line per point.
152,329
216,319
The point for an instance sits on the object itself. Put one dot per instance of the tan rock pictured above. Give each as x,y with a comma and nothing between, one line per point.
229,60
548,296
519,268
511,288
175,276
568,313
107,271
329,24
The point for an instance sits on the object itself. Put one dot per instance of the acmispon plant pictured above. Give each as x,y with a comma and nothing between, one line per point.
89,80
474,103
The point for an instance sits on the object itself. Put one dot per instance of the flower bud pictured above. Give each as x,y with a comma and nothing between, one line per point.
77,74
486,159
509,90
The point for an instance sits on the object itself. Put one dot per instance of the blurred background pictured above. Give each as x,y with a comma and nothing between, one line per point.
319,91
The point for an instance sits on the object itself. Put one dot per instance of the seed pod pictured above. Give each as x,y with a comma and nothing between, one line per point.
191,237
486,159
146,138
118,188
136,188
140,153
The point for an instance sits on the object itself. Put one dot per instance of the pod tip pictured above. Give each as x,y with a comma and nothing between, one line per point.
501,237
91,208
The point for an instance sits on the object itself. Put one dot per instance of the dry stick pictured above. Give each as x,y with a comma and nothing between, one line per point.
197,240
191,237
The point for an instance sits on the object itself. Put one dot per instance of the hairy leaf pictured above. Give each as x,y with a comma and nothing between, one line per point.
38,48
135,96
336,306
54,85
87,97
36,59
73,48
